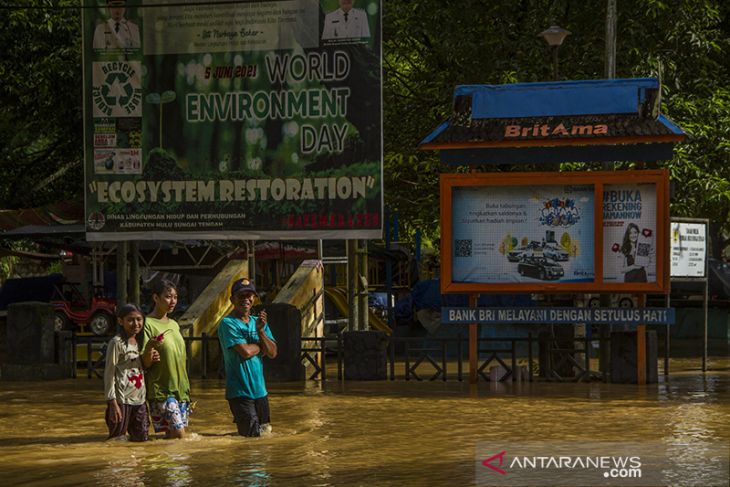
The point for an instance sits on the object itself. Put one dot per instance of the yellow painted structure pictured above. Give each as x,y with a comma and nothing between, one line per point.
212,304
303,290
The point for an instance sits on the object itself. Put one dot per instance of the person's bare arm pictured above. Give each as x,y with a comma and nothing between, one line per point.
246,350
150,354
268,346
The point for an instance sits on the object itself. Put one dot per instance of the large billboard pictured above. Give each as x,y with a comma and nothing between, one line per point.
232,120
554,232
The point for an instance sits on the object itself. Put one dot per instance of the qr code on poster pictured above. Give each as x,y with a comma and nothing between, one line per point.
462,248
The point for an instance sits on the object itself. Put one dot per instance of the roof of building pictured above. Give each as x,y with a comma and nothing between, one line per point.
577,121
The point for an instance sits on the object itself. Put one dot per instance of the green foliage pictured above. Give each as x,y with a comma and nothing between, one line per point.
40,104
429,46
432,45
6,267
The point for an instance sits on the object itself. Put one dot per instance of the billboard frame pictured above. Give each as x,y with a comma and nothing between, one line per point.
598,179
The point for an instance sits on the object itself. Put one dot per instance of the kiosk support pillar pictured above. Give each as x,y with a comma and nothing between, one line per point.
641,346
473,345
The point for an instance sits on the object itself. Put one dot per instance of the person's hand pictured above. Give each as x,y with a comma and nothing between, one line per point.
115,412
263,319
151,355
156,341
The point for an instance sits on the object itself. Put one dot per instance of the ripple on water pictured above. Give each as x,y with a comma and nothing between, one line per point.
387,432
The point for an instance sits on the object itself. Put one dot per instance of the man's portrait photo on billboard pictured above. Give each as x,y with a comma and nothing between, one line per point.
346,22
116,32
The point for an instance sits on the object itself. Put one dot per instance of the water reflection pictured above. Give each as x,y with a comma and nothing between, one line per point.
382,433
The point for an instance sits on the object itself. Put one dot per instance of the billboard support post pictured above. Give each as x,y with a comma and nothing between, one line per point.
666,337
705,304
134,272
690,263
641,346
122,272
473,344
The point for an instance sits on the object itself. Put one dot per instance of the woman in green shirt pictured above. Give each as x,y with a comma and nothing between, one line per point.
168,387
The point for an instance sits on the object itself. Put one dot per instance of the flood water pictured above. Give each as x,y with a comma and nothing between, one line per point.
354,433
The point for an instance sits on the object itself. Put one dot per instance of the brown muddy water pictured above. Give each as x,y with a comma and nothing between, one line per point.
354,433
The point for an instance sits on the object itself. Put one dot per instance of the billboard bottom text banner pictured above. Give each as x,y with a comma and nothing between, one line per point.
487,316
585,464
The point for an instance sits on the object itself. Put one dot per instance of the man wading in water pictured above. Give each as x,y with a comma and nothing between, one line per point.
245,340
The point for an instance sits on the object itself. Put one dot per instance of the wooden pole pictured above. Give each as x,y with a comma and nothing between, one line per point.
473,344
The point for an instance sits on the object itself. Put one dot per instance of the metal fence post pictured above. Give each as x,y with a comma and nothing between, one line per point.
187,354
514,360
323,358
391,356
340,354
443,358
407,350
587,348
73,353
204,356
459,365
89,363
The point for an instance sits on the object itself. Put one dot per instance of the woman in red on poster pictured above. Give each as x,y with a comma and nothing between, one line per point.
632,271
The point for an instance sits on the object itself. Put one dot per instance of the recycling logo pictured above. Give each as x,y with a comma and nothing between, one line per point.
117,89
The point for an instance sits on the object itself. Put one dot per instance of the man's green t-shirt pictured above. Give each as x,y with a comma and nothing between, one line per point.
168,377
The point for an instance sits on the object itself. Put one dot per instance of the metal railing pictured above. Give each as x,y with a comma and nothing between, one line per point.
95,348
418,351
414,353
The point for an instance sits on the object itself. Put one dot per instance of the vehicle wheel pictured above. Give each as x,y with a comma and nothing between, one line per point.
101,324
626,303
61,322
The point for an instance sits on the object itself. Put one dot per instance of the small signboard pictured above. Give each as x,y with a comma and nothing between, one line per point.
688,241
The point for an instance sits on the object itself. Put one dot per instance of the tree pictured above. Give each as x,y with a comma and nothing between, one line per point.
685,44
429,47
41,151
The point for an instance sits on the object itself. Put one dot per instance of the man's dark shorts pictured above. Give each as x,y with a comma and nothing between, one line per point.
250,414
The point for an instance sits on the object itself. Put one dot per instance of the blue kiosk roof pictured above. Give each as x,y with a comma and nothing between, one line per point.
577,121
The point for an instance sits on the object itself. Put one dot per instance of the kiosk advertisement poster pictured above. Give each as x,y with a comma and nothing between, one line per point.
523,234
629,233
555,232
230,120
689,249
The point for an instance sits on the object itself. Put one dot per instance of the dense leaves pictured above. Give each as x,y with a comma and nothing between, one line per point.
432,45
429,46
40,104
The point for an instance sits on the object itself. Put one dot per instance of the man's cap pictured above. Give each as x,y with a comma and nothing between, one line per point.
243,285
